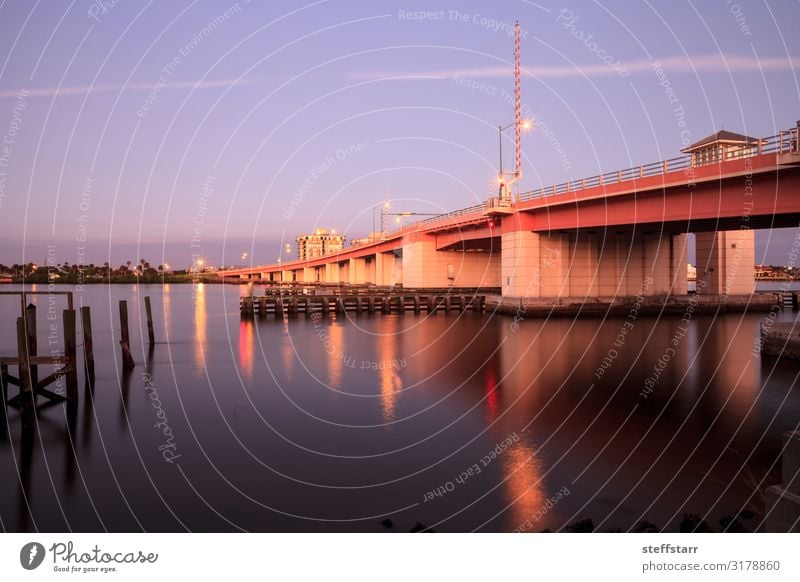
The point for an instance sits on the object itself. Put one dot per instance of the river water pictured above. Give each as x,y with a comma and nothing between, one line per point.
459,422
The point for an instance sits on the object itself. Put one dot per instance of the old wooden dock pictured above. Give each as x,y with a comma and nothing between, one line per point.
294,302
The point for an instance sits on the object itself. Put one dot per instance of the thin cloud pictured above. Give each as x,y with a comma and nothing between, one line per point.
92,89
672,64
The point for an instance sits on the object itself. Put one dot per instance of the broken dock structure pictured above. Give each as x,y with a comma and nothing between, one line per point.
371,300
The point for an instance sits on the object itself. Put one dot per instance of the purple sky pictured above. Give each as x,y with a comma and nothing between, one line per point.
240,125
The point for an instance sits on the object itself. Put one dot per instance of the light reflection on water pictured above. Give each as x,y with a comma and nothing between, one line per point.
332,422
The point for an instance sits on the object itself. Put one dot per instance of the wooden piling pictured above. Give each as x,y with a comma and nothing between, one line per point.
279,307
248,309
151,336
794,301
30,327
431,304
262,306
371,304
447,304
326,307
127,357
88,344
462,303
386,305
416,304
293,306
71,352
3,394
26,396
358,304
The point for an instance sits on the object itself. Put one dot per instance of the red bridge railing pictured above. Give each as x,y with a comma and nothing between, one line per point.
783,142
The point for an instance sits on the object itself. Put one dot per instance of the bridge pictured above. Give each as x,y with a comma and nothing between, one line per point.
622,233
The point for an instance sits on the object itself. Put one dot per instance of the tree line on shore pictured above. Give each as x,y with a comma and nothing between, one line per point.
141,272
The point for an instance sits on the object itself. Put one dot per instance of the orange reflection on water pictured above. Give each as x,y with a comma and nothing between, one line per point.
246,347
200,323
166,298
288,353
524,489
335,350
492,390
388,367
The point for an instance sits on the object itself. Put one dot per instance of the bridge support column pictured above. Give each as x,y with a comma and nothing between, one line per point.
679,262
357,271
554,265
331,272
583,253
309,275
520,264
726,262
425,266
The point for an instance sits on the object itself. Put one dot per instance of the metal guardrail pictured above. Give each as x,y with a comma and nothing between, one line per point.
783,142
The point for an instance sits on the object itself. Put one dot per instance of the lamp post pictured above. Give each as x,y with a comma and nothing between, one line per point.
384,206
526,125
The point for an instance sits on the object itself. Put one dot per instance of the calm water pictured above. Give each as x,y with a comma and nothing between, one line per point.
334,425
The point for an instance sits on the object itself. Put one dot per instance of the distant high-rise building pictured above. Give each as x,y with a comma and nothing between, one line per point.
322,242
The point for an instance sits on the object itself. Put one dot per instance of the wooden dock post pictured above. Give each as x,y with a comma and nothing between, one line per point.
30,327
71,352
279,307
262,306
794,301
27,398
293,306
371,304
326,308
88,344
358,304
416,304
386,305
339,306
151,336
248,309
462,305
127,357
431,304
4,397
447,304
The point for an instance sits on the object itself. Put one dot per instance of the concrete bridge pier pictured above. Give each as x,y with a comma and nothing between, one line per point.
726,262
424,265
592,264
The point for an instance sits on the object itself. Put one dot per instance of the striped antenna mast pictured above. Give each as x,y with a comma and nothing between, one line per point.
517,105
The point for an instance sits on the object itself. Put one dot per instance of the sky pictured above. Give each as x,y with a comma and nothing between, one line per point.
171,129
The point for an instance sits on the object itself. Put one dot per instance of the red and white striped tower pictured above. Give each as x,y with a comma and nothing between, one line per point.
517,105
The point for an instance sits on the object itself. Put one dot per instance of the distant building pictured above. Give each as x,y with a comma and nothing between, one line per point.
691,272
311,246
722,146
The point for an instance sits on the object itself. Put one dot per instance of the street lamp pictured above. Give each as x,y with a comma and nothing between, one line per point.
526,125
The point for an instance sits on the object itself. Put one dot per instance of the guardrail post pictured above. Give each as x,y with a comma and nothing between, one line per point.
666,166
780,142
641,171
619,176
